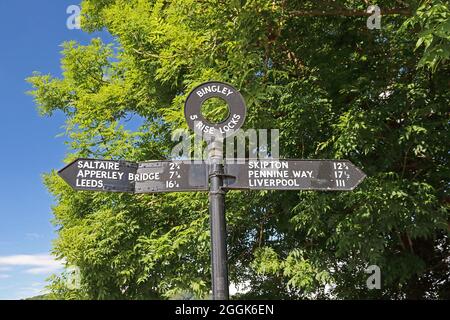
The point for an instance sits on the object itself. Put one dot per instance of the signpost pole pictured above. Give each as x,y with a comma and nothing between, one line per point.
171,176
219,268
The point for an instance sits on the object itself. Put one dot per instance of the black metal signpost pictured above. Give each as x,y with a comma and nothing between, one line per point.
214,133
214,175
326,175
143,177
199,124
99,175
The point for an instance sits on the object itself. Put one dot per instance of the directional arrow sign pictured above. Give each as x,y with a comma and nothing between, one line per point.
99,175
339,175
182,176
171,176
144,177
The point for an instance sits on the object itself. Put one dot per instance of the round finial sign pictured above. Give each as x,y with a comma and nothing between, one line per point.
214,89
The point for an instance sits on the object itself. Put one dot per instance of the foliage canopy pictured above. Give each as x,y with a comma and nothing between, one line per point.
334,88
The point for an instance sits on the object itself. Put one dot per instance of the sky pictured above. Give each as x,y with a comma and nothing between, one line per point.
31,33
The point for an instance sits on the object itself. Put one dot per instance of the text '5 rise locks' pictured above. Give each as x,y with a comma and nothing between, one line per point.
199,124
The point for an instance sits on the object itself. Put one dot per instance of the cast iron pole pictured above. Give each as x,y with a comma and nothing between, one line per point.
219,270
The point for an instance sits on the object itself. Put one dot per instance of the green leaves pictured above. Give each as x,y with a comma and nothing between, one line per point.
334,90
301,272
433,20
266,261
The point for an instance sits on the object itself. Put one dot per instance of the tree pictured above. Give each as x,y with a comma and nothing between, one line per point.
334,89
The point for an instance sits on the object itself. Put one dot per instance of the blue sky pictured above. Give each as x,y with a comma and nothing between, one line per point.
31,33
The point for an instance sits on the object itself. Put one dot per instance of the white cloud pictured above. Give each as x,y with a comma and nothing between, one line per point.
33,236
43,270
37,284
36,264
4,276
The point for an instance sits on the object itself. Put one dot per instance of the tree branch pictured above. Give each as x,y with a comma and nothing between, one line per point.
347,13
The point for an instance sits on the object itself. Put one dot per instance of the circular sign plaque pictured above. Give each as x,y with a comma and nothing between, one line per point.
215,89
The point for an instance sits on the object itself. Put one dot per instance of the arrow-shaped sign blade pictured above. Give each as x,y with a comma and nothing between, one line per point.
183,176
327,175
99,175
145,177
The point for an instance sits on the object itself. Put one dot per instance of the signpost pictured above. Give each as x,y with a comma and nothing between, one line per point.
99,175
143,177
215,175
198,123
326,175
